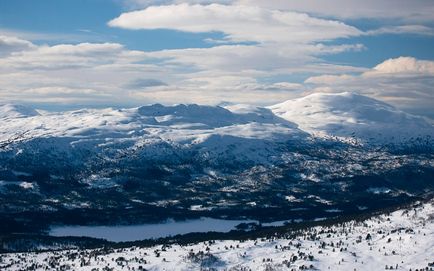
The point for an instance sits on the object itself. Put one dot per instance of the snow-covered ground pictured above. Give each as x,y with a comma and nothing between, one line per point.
402,240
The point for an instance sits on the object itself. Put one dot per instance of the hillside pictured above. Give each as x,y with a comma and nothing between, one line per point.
401,240
294,160
352,115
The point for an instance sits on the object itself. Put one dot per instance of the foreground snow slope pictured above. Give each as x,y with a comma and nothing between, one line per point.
402,240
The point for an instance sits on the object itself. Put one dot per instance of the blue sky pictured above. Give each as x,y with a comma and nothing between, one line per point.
75,18
86,21
66,54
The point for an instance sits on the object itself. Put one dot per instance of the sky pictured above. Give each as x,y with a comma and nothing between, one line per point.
64,54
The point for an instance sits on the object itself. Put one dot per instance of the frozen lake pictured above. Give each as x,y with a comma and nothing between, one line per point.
148,231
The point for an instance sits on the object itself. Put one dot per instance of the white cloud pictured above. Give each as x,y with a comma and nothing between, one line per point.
239,23
395,15
80,35
328,79
239,94
108,73
68,55
95,72
403,66
287,86
9,44
284,42
287,42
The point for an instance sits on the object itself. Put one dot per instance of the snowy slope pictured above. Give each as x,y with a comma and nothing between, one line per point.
403,240
352,115
206,137
16,111
213,138
214,129
181,123
344,115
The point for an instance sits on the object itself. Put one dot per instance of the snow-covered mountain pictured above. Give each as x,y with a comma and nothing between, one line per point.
183,124
217,137
16,111
344,115
156,162
352,115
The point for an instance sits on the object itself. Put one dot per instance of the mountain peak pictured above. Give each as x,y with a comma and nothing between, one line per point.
17,111
347,114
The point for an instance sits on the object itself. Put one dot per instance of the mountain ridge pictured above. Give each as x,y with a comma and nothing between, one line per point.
351,115
343,115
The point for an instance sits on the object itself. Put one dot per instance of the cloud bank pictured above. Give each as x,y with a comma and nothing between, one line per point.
264,50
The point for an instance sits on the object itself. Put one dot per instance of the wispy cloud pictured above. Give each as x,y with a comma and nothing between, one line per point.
403,29
401,10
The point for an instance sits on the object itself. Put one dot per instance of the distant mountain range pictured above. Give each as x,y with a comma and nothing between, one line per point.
344,115
342,151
